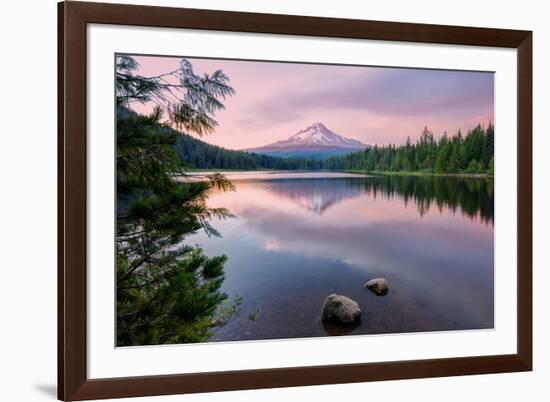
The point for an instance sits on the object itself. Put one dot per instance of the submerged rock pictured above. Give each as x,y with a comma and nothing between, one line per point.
340,309
333,328
379,286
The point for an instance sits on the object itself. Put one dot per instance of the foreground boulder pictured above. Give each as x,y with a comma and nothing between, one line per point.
341,309
379,286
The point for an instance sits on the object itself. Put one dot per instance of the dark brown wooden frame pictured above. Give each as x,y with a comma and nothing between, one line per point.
73,17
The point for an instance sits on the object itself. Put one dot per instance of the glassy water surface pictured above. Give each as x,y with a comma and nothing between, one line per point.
298,237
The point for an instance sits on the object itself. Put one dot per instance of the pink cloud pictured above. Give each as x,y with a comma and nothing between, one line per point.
370,104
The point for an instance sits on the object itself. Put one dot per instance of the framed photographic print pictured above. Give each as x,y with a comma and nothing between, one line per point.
252,200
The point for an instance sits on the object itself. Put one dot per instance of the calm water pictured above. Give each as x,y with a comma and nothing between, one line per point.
299,237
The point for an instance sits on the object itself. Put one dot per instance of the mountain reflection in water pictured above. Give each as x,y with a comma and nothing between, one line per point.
295,240
315,195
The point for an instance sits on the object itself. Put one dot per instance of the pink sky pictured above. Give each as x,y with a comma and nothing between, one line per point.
374,105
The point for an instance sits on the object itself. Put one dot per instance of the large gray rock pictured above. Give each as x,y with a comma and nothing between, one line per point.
379,286
340,309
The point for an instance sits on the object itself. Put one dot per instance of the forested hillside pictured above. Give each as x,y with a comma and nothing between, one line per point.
472,153
199,154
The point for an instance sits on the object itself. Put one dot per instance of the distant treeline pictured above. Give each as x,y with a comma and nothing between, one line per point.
202,155
472,153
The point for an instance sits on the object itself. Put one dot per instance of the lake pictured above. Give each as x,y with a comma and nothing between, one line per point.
297,237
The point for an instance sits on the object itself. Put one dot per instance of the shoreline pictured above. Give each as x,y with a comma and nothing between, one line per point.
270,175
428,174
203,172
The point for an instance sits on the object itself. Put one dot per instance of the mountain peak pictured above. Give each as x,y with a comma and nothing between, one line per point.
318,125
315,140
319,134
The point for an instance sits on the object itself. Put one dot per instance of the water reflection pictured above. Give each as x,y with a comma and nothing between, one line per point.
297,240
315,195
473,197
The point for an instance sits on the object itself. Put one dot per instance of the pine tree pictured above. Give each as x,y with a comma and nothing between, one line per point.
446,155
488,146
167,292
443,157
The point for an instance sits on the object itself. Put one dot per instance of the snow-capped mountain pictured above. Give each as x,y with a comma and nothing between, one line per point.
318,134
316,141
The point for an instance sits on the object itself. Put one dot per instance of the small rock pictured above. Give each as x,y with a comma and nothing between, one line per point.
333,328
379,286
341,309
